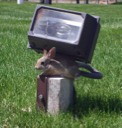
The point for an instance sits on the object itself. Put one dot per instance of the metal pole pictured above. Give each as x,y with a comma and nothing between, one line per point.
77,1
20,1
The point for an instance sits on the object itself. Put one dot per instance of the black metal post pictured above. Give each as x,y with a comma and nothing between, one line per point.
77,1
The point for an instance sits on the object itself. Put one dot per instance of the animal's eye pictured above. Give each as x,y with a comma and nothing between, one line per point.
42,63
50,62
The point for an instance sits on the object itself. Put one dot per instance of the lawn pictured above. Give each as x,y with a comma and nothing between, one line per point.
99,102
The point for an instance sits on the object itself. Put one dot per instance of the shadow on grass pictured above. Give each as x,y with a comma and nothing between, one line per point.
87,103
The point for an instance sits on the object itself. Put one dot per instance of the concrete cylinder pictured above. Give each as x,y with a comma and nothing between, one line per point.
60,95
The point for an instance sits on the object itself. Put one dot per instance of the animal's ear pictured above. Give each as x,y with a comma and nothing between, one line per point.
52,53
44,52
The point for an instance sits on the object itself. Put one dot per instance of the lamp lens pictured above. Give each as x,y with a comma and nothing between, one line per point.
56,25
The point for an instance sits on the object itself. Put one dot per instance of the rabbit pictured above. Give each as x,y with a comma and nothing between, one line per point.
53,64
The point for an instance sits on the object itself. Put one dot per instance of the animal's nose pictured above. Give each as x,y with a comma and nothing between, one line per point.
36,67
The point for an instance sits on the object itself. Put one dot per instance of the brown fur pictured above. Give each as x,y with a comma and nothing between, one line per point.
52,65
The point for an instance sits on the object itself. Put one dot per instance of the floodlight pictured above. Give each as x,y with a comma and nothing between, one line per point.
72,33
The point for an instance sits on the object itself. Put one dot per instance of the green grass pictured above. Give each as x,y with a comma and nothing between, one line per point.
99,102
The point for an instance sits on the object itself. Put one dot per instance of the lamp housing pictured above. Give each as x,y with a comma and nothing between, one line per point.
72,33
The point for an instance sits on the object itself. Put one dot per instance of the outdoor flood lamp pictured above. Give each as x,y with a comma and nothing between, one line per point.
72,33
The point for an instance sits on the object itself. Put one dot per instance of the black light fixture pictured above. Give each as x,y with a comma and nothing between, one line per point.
72,33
